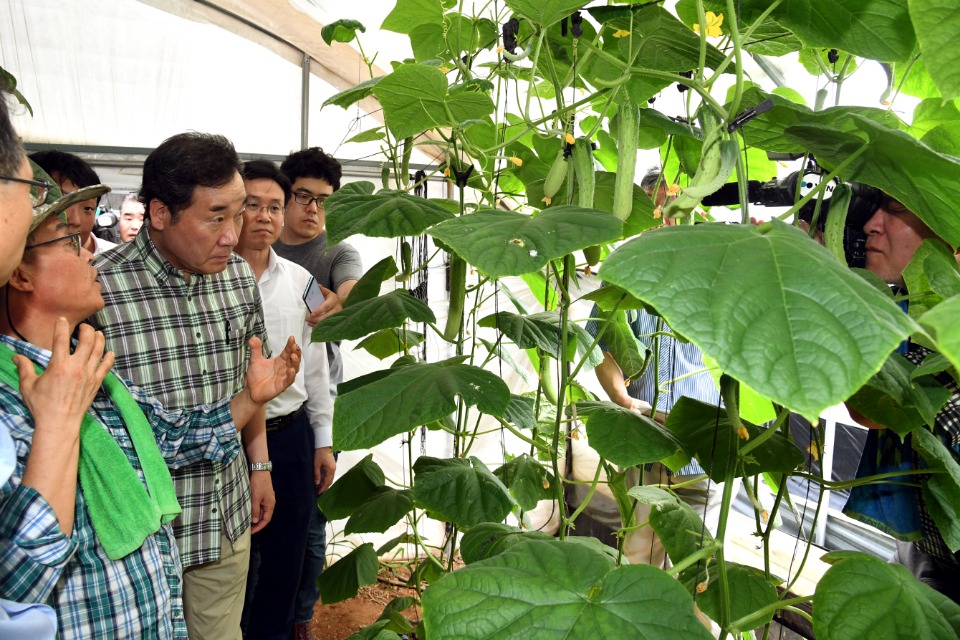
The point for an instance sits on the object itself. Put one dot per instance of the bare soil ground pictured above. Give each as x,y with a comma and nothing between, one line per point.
340,620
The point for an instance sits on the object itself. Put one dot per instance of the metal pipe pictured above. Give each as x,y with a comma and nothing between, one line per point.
304,101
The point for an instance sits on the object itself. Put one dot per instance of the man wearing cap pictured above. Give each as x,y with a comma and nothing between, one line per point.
18,193
85,516
894,233
299,432
180,308
71,172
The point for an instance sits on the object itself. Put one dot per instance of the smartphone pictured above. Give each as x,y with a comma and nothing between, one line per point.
312,296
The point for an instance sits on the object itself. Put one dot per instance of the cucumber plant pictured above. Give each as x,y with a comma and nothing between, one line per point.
784,320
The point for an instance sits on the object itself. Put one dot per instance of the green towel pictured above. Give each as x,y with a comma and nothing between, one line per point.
122,512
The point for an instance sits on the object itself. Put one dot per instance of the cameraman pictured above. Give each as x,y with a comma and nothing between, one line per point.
894,233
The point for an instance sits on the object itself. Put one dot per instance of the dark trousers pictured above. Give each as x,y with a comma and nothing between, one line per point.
932,571
276,559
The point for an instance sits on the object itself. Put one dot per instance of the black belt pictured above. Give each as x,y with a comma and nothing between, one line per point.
275,424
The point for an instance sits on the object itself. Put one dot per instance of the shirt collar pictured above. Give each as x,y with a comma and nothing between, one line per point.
37,354
158,266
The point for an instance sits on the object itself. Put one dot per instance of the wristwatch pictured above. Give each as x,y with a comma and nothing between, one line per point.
261,466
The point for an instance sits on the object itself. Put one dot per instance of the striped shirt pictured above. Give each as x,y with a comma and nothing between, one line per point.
680,370
185,342
137,596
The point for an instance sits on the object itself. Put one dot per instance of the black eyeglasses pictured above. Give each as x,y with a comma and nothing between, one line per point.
74,239
304,199
39,188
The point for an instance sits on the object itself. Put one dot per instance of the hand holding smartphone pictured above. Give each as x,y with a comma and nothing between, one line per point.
313,296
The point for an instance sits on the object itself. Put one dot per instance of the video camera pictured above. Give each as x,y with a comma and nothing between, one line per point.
864,201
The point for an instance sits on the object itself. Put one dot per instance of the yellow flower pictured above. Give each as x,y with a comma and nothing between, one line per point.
701,587
515,160
673,189
500,49
814,451
713,25
657,213
569,139
446,171
445,69
547,200
743,433
619,33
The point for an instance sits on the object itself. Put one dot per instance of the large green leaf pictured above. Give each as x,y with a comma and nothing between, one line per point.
386,214
941,323
936,23
622,345
545,12
407,15
411,396
750,591
362,318
894,399
341,31
923,189
504,243
543,590
414,99
706,432
460,491
353,95
678,526
528,480
876,29
624,437
931,275
519,412
766,131
382,510
390,342
865,597
342,580
351,489
658,39
488,539
369,284
542,330
941,491
771,306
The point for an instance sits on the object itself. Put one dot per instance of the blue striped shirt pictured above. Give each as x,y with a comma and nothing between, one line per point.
680,370
137,596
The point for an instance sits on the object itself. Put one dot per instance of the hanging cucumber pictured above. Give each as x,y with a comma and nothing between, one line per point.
717,161
385,175
629,115
836,222
406,262
555,177
458,292
583,166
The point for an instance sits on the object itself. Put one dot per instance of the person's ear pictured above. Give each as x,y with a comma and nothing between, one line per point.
160,217
22,279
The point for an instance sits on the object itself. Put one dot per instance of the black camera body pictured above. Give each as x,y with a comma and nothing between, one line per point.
864,201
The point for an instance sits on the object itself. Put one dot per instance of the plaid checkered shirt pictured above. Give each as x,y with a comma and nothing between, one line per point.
137,596
185,343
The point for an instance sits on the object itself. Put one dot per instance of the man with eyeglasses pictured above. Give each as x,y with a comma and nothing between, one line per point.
19,192
85,515
299,433
71,172
314,175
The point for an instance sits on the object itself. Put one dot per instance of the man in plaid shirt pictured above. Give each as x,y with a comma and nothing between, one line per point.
180,309
99,551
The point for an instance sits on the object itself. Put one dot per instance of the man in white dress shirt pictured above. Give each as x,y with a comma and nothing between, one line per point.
299,433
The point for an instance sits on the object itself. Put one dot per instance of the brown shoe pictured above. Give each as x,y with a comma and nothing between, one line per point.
301,631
